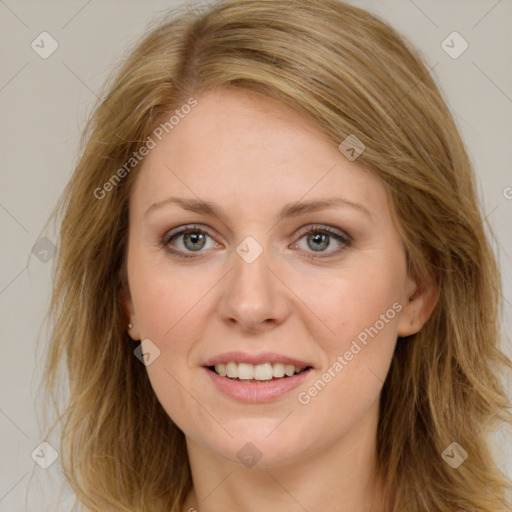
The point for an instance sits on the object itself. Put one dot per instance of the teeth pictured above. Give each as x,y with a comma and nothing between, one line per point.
245,371
289,369
262,372
278,370
221,369
231,370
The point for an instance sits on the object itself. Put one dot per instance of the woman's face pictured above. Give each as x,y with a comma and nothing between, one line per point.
269,275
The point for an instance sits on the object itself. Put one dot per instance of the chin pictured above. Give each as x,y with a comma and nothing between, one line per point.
255,447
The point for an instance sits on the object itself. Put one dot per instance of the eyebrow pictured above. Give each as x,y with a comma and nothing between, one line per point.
289,210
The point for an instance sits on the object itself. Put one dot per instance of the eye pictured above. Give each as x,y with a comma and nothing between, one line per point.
193,239
319,238
185,239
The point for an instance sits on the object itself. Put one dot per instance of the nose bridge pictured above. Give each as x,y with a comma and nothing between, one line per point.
252,295
251,280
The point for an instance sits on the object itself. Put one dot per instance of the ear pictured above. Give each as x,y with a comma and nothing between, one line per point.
421,297
129,311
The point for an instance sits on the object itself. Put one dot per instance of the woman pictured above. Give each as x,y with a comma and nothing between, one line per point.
274,284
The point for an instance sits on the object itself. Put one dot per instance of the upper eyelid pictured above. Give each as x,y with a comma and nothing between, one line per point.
332,230
180,230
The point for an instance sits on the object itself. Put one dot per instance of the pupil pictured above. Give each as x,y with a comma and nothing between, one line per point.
195,238
319,237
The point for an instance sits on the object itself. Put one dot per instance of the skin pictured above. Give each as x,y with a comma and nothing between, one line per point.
252,155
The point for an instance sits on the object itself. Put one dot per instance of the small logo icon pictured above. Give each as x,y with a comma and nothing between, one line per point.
44,45
454,45
44,250
147,352
249,249
249,455
351,147
45,455
454,455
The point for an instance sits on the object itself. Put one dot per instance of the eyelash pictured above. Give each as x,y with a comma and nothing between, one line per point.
338,235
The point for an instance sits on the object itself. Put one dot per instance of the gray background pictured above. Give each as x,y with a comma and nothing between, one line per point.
45,102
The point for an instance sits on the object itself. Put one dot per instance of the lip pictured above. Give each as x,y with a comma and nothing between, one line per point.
264,357
257,392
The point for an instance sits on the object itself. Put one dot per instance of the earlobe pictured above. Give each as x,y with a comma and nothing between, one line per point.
418,308
133,331
129,310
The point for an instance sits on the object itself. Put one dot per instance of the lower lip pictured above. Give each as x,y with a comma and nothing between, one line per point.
257,392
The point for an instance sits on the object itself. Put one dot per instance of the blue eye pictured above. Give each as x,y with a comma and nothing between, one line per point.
193,239
319,238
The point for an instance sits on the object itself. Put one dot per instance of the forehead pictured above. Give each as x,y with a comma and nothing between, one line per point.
241,146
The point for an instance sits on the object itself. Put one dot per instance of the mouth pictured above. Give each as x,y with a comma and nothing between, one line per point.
257,373
257,378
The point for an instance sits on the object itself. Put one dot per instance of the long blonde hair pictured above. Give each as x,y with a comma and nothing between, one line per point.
349,73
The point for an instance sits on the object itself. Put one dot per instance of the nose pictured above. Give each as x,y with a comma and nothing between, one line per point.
254,298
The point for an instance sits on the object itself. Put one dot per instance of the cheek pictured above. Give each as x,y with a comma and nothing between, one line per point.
170,310
359,309
355,298
362,317
166,298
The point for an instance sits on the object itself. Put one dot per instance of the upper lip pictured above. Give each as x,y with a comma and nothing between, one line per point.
263,357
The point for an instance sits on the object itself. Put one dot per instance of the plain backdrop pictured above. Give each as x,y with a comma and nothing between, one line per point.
44,103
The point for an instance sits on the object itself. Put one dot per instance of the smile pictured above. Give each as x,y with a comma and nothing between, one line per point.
264,372
256,378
